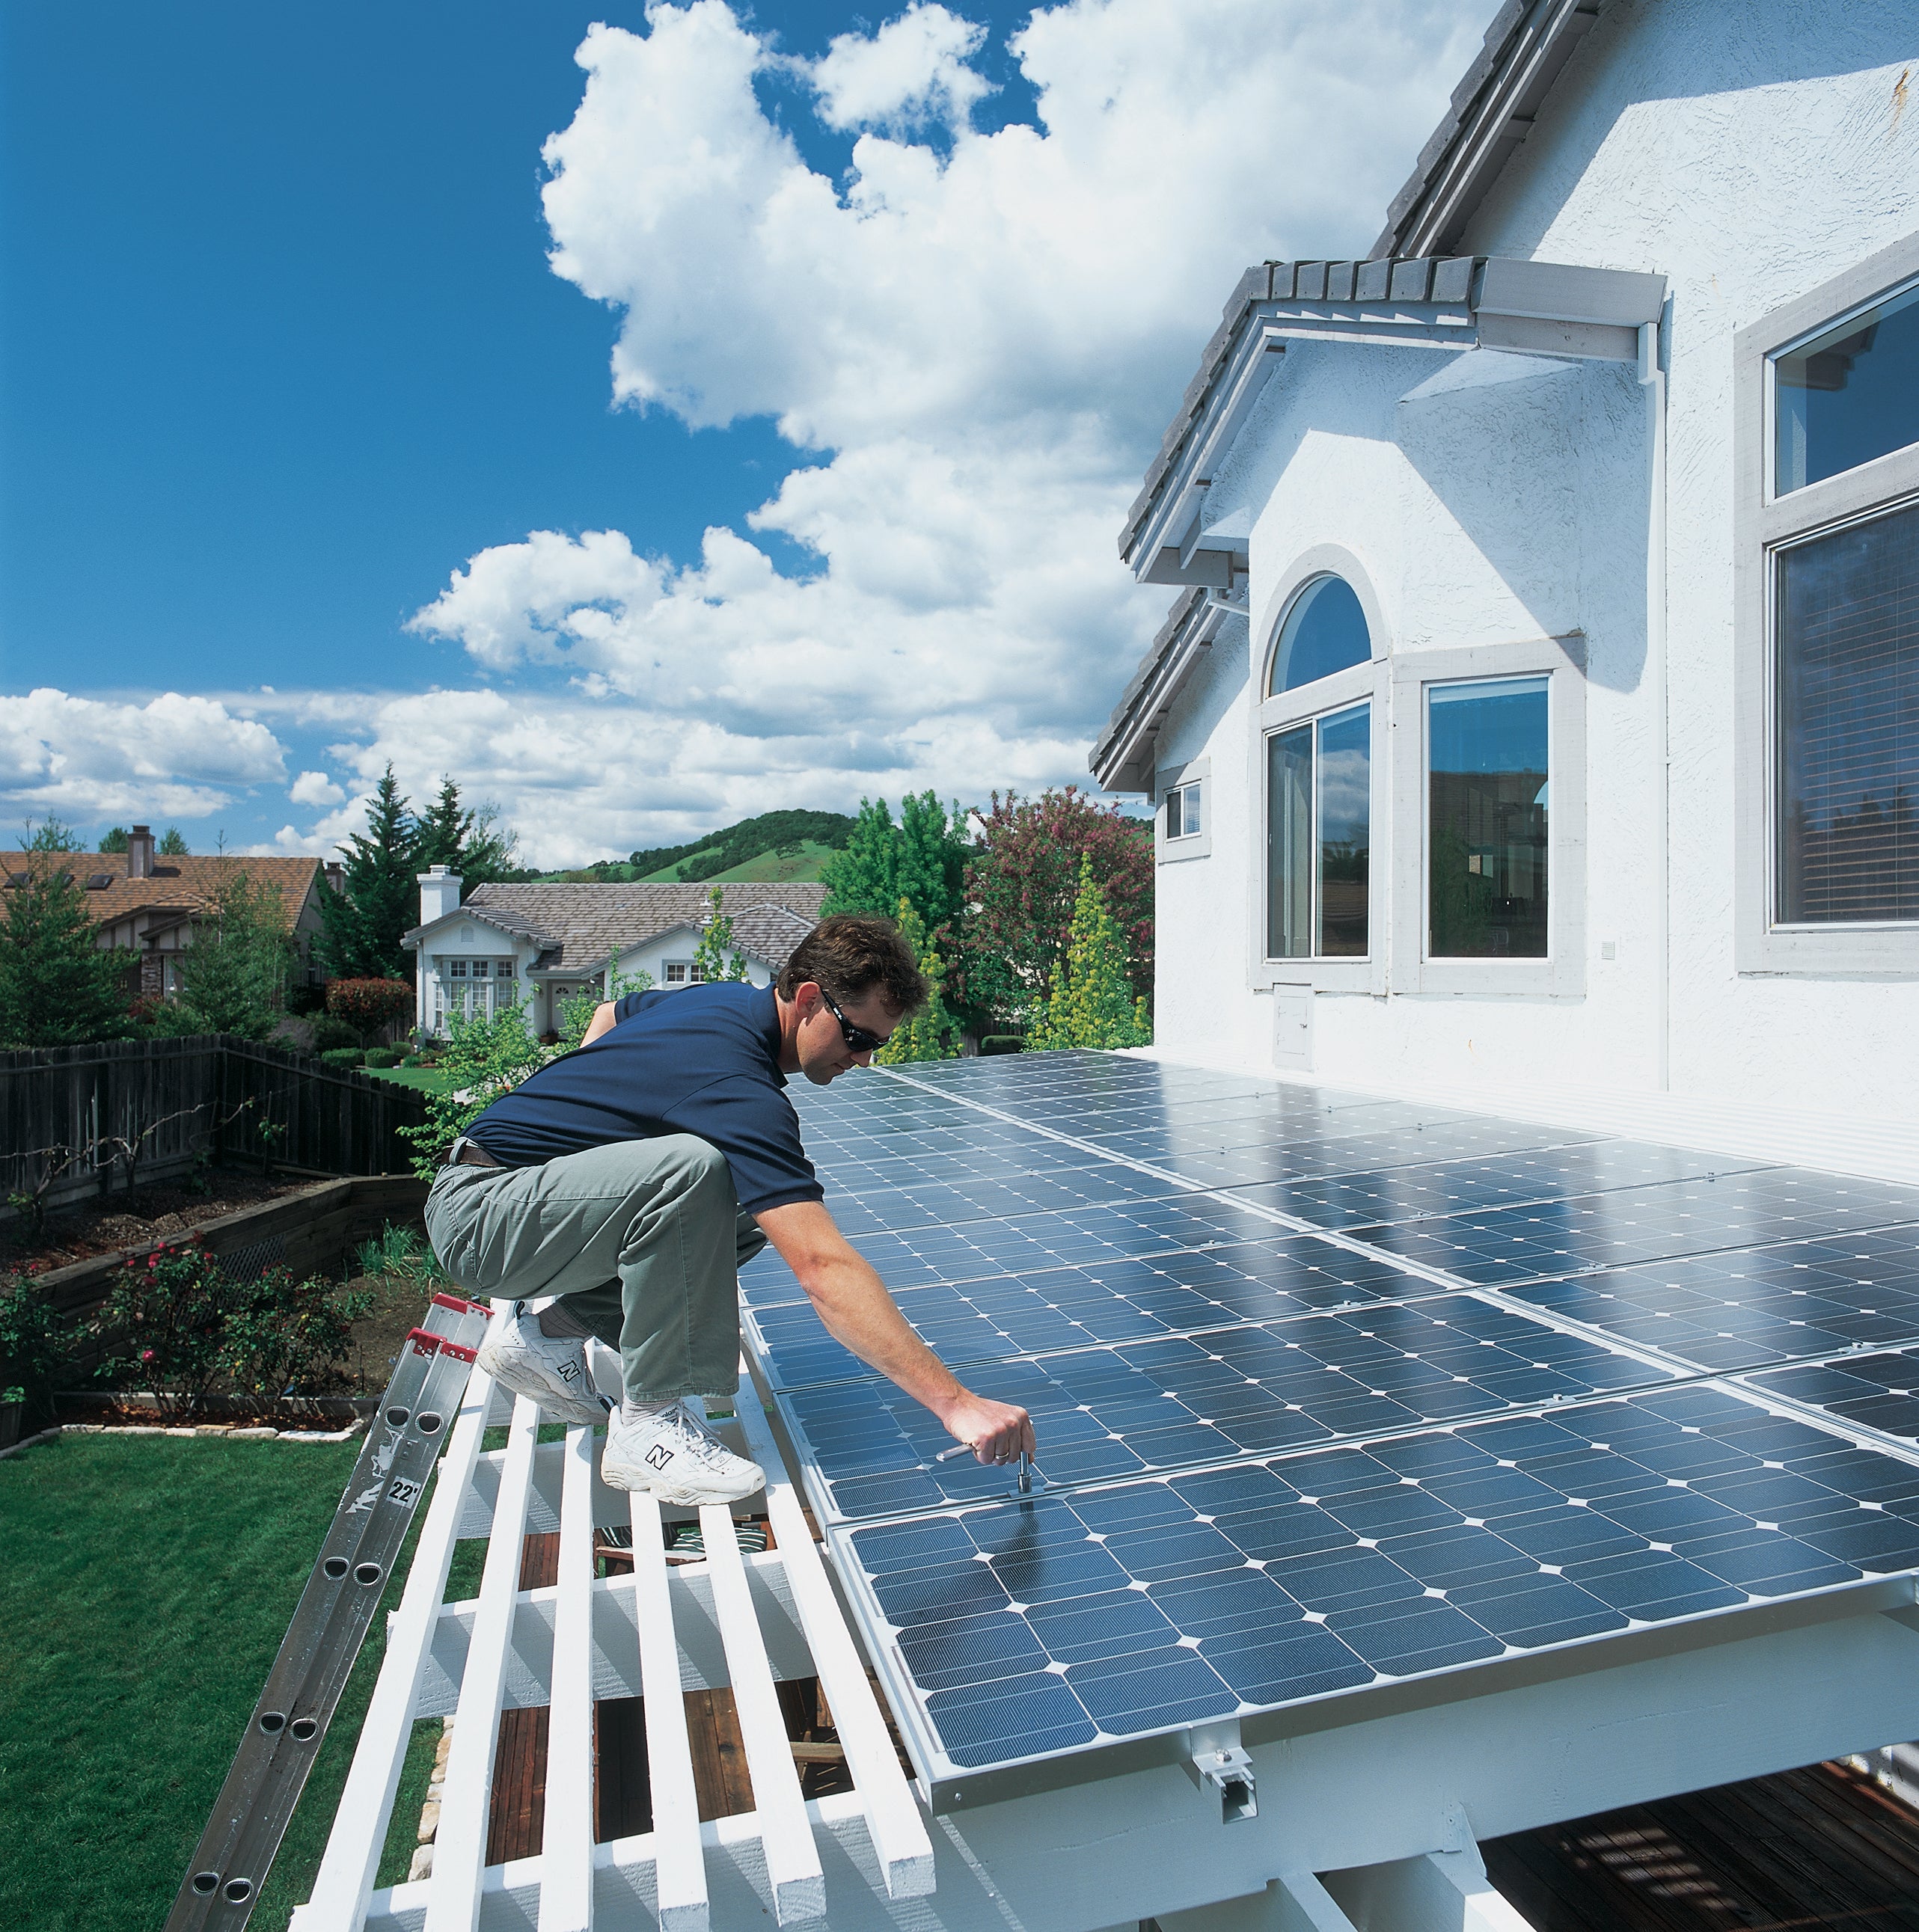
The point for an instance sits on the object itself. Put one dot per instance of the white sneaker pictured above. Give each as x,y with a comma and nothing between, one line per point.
677,1458
551,1369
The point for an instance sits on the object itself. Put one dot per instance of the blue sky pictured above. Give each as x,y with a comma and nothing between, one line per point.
281,351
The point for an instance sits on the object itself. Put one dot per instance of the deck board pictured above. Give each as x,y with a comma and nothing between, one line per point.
1822,1849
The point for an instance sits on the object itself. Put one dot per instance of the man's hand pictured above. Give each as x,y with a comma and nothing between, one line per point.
995,1432
859,1314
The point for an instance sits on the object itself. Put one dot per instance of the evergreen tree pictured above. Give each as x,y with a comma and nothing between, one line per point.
118,840
233,977
380,900
57,987
865,876
713,957
928,1034
172,845
472,845
1091,1003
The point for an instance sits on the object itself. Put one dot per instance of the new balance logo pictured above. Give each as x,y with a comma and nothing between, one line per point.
568,1371
659,1456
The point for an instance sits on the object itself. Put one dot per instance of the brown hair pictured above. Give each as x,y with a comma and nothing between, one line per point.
850,955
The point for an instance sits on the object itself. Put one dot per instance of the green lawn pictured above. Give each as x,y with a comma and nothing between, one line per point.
427,1079
148,1583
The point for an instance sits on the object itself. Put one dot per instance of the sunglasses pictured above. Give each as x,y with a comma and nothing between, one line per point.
857,1037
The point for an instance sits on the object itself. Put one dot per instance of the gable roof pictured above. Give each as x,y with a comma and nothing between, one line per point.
580,928
183,885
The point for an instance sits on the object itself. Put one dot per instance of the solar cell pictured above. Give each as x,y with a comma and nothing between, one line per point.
1511,1245
1101,1413
1025,1629
1750,1306
1874,1390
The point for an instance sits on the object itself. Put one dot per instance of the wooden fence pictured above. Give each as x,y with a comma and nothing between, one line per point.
81,1120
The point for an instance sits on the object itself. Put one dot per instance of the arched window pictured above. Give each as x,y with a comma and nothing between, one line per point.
1325,631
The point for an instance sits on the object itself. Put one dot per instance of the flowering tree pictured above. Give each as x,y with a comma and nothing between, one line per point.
1021,884
1091,1003
713,957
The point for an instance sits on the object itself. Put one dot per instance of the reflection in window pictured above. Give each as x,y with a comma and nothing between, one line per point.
1849,719
1319,819
1325,631
1487,811
1849,395
1182,810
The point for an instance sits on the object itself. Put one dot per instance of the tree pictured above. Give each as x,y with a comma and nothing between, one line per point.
713,957
172,845
1022,884
929,1034
473,845
864,875
931,871
1091,1003
233,977
484,1057
379,900
367,1005
58,987
117,840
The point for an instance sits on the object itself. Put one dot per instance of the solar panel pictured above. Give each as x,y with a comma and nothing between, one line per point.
1174,1402
1511,1245
1025,1629
1283,1466
1750,1306
1416,1193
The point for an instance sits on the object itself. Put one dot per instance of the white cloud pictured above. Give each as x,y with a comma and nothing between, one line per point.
86,759
988,336
913,71
315,788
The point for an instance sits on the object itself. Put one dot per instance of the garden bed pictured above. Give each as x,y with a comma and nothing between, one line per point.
116,1224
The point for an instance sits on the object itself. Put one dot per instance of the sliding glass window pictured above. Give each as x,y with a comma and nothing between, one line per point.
1488,853
1319,827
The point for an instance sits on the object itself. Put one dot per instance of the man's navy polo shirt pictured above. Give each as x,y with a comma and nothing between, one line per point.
698,1060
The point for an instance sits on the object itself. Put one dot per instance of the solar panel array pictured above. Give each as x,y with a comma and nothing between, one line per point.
1329,1390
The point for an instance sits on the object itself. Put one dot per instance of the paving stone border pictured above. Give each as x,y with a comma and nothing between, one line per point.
357,1426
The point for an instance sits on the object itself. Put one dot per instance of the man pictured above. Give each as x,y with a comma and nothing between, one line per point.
630,1179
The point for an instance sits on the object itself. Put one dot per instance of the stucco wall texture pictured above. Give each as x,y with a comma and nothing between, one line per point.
1750,153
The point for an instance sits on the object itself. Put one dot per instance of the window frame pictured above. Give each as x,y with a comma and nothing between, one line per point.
1365,683
1561,974
1765,522
1189,845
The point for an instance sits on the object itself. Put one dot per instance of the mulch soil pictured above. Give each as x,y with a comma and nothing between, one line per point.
160,1212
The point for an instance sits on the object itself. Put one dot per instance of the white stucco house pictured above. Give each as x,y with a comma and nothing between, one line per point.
1540,710
536,945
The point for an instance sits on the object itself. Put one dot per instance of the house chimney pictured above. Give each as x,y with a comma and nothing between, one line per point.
336,875
440,893
139,853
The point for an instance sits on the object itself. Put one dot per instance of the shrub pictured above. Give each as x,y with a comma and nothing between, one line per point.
164,1315
343,1056
329,1032
484,1057
367,1005
419,1060
400,1253
286,1337
1002,1042
36,1342
384,1056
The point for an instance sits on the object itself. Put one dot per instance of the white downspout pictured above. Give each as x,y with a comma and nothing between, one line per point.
1653,379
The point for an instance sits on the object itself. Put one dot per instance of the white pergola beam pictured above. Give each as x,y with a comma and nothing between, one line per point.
565,1895
1439,1892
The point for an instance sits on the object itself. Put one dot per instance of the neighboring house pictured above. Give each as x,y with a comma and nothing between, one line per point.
149,906
536,945
1543,705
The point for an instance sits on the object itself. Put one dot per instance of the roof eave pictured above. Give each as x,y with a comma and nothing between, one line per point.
1123,757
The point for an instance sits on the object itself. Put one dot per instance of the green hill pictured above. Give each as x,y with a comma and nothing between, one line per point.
777,845
761,869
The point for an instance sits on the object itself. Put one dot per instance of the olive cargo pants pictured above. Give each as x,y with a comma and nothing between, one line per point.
643,1238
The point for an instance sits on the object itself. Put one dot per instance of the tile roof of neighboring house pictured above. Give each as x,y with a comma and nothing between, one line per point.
182,884
579,927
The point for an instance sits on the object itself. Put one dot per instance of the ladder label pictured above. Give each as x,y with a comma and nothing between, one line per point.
404,1491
